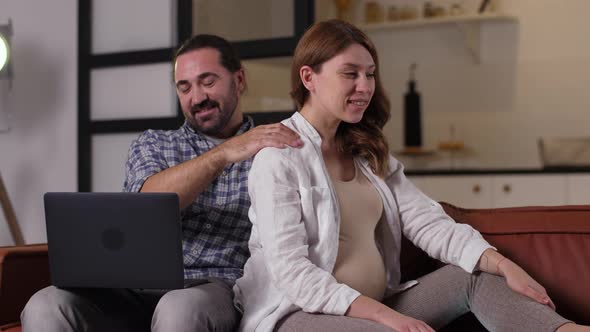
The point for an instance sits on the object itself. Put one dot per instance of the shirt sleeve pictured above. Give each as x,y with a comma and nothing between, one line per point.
145,159
277,215
425,223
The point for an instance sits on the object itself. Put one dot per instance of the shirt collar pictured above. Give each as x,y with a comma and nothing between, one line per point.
247,124
306,128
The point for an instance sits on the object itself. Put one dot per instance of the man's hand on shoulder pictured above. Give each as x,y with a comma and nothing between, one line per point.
248,144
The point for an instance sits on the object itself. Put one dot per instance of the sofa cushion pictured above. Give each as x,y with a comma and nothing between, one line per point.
551,243
23,271
14,327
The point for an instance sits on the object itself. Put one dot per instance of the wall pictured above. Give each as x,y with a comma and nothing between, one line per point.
531,83
39,153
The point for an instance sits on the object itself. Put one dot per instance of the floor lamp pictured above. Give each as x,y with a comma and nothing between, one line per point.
6,72
17,235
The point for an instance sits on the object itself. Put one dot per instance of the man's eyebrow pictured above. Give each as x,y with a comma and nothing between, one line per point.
181,82
200,77
206,74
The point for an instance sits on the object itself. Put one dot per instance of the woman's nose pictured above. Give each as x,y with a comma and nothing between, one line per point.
364,84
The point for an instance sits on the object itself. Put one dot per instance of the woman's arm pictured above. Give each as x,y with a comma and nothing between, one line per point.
517,279
425,224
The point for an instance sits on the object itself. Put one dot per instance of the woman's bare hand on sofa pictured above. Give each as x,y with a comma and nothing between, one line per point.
521,282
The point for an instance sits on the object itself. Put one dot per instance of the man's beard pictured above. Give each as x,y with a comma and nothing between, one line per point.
224,114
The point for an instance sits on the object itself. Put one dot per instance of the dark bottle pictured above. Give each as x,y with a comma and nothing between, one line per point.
412,114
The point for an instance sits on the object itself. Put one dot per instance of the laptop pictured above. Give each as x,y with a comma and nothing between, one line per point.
114,240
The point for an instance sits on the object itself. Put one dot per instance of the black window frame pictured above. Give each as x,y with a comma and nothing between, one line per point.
251,49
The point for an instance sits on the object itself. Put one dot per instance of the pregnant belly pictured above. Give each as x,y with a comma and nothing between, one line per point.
361,268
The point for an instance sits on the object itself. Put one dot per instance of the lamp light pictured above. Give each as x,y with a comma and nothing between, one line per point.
5,63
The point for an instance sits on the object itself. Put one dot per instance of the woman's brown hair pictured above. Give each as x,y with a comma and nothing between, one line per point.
321,42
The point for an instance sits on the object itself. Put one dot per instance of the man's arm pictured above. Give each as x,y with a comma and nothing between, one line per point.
192,177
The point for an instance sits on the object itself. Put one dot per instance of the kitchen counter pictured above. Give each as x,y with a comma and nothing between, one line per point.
494,171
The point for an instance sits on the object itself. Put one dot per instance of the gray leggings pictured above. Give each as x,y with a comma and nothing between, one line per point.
207,306
438,299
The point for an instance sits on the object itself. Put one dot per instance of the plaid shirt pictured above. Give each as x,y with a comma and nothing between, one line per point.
215,225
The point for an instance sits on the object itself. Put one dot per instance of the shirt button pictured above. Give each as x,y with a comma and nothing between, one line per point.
195,252
224,173
208,226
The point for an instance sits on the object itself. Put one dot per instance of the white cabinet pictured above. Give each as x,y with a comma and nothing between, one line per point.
463,191
578,189
493,191
527,190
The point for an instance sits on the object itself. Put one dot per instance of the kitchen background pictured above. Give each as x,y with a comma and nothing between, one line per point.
524,78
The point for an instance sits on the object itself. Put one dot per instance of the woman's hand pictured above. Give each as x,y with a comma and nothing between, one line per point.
366,308
403,323
519,281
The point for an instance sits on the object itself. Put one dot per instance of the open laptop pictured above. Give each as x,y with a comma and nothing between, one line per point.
114,240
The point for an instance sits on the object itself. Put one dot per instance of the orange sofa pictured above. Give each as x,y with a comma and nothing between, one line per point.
23,271
551,243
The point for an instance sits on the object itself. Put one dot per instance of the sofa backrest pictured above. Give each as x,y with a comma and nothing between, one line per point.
551,243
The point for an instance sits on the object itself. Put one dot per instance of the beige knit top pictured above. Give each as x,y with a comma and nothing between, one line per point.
359,263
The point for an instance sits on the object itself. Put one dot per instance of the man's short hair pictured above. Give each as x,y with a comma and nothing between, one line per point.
229,57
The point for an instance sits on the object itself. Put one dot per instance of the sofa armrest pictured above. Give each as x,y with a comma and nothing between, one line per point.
23,271
550,243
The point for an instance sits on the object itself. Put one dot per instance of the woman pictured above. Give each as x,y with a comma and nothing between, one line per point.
328,218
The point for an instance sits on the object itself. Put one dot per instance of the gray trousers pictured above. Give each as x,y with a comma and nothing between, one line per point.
438,299
207,306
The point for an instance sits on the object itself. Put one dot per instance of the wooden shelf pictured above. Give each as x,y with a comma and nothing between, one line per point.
419,22
468,25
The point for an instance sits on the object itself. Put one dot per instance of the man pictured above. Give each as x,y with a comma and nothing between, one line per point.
205,162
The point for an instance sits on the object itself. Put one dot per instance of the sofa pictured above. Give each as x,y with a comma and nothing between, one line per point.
551,243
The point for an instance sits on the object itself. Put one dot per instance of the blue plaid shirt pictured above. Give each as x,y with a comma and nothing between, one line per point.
215,225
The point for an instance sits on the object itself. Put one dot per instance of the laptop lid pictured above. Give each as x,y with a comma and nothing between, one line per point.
114,240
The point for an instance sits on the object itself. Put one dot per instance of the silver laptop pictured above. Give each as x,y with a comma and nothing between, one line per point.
114,240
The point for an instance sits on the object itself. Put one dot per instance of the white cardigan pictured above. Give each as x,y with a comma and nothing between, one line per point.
295,226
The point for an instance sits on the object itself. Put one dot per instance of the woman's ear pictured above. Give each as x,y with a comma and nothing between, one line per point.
306,75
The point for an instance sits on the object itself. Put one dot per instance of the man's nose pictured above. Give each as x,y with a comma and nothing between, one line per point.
198,96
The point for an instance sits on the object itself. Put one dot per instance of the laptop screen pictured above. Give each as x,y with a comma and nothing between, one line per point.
114,240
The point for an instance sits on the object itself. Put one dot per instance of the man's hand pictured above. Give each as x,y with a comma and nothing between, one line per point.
248,144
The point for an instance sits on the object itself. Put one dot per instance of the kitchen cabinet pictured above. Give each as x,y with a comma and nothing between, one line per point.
526,190
463,191
493,191
578,189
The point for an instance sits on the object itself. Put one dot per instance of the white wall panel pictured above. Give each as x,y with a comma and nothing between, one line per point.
119,26
109,154
142,91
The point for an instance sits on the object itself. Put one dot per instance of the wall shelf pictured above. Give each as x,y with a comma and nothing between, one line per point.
468,25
